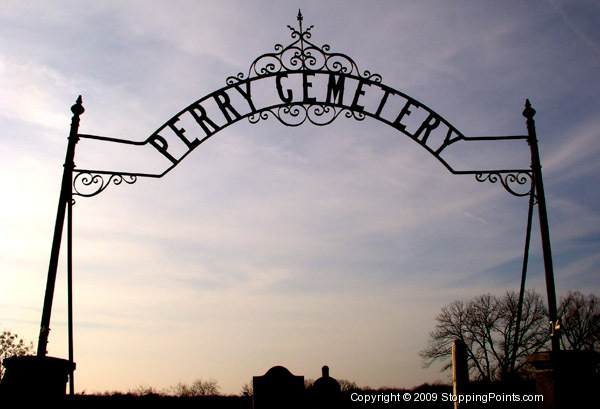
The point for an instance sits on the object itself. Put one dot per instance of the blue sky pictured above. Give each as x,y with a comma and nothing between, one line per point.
270,245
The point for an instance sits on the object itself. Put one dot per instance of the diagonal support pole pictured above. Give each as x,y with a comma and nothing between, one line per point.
536,168
513,360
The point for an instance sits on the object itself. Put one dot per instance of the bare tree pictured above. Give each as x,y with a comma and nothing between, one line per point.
181,390
486,324
247,389
144,390
12,345
205,388
198,388
580,321
347,386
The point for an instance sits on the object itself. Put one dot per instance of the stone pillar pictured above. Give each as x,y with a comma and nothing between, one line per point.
44,377
567,379
544,378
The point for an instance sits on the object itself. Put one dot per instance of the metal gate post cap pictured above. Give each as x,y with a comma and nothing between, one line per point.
78,109
528,112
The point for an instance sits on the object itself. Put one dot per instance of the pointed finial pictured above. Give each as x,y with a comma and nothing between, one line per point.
528,112
78,109
299,17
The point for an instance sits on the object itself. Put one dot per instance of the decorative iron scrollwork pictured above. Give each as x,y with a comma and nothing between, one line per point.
302,55
512,182
89,184
296,115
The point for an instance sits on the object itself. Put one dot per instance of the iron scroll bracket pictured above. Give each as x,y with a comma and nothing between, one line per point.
88,184
512,182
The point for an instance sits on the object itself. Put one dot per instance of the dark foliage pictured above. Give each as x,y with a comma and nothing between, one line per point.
12,345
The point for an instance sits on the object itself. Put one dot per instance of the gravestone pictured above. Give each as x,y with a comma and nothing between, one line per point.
278,388
325,392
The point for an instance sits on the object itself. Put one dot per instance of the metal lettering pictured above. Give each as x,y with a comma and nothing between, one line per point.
180,133
427,126
405,112
247,95
448,140
162,146
382,103
305,86
335,89
357,94
287,99
224,103
203,120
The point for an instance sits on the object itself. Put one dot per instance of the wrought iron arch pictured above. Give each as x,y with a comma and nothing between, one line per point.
303,62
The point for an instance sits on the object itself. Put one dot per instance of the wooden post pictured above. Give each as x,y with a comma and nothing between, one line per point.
460,370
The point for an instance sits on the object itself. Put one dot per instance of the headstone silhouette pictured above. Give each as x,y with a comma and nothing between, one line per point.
277,389
325,392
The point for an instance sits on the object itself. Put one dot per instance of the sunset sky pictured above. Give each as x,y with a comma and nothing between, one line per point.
295,246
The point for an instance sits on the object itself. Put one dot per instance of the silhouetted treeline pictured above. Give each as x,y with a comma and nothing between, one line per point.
118,401
429,397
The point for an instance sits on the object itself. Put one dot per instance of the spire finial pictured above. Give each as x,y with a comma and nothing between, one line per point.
300,18
528,112
78,109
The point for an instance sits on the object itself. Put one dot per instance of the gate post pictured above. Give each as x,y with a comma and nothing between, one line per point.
39,373
64,199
